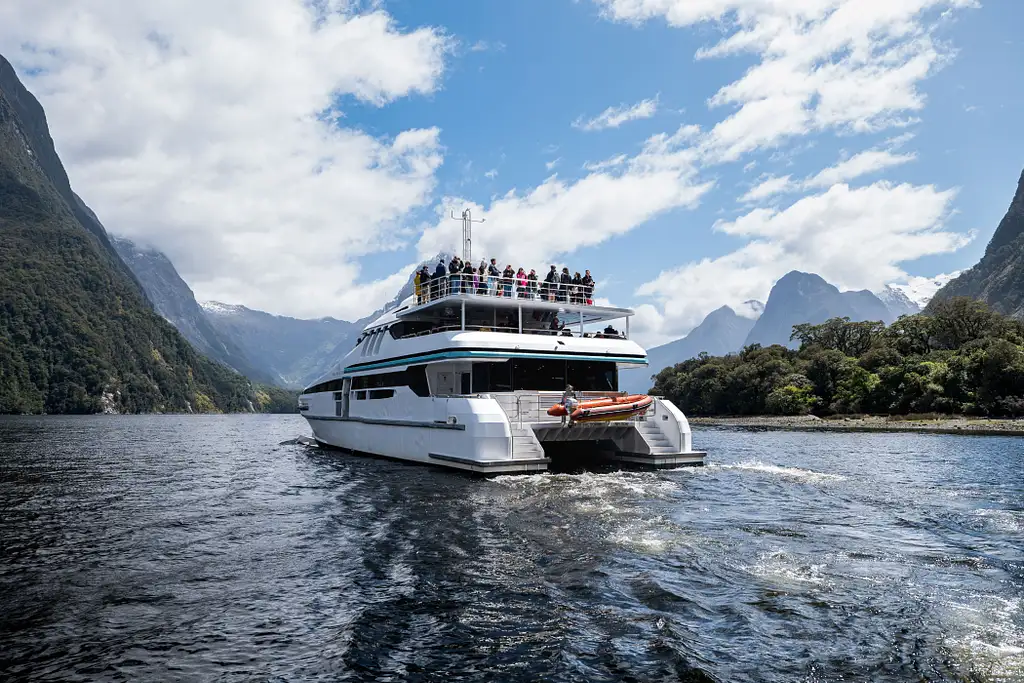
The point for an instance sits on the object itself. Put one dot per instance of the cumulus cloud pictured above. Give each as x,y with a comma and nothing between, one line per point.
851,65
216,132
854,238
613,117
558,217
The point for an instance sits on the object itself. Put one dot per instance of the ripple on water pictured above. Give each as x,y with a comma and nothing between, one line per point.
156,548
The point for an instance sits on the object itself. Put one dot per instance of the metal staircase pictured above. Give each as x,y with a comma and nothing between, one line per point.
655,438
525,444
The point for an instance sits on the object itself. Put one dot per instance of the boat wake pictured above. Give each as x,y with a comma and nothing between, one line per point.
779,471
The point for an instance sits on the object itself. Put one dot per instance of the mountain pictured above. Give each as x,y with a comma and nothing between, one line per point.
174,300
77,334
292,350
806,298
296,351
998,279
921,290
720,333
897,301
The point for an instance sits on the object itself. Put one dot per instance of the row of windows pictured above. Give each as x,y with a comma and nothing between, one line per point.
414,377
373,394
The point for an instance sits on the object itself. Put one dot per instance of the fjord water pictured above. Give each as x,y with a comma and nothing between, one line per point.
202,548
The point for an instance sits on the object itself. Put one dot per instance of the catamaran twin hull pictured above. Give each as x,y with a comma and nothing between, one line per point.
466,382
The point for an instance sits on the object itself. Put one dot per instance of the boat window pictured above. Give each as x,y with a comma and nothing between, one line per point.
416,379
489,377
378,340
359,395
333,385
530,374
380,393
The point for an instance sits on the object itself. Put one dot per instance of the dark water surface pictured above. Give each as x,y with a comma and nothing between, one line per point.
199,548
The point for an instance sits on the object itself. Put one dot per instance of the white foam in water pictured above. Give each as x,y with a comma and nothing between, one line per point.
778,470
986,637
780,566
1009,521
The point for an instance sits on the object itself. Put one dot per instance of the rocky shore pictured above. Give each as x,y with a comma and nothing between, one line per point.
869,423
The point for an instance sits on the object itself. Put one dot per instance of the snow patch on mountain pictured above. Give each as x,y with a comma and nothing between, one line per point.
217,308
920,290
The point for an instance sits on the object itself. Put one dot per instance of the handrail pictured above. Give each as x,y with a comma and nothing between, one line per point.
509,330
504,287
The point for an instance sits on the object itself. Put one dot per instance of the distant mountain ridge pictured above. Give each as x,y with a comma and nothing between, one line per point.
720,333
173,299
807,298
998,279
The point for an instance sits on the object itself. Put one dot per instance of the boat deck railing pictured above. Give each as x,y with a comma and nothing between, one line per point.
565,332
503,287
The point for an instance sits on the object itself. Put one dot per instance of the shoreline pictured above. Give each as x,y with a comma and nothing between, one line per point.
810,423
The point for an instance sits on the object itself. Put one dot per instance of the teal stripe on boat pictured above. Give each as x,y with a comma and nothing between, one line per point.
489,354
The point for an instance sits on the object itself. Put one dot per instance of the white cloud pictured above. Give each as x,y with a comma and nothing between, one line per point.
550,165
558,217
613,117
849,65
870,161
613,162
492,174
211,130
854,238
864,163
767,188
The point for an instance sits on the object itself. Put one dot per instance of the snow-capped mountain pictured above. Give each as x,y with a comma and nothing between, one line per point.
920,290
897,301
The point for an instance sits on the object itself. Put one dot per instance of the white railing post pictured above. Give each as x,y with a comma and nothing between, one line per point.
463,315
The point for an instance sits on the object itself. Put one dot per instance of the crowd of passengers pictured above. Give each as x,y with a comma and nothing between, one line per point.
460,277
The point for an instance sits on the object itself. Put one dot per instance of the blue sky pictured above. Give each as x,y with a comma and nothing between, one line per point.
443,105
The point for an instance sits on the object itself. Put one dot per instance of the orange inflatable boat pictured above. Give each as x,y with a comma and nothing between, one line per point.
616,408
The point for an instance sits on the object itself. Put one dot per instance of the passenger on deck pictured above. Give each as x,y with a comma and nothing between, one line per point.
481,275
551,284
438,281
492,277
563,285
577,288
508,278
468,278
454,271
611,331
420,282
569,402
531,283
521,284
588,289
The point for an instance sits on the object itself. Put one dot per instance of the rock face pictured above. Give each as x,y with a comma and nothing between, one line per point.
173,299
998,279
77,334
806,298
720,333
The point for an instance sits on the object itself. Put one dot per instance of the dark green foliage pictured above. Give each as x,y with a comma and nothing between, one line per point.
76,333
963,358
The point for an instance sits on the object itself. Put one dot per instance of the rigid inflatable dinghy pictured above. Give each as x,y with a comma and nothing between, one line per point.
598,409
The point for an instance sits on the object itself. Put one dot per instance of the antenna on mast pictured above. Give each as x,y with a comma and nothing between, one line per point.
467,233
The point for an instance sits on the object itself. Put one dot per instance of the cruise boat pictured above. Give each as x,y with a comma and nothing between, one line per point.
465,373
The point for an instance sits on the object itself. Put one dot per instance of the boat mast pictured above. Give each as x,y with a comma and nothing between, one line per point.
467,234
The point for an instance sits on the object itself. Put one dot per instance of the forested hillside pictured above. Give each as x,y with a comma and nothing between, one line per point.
962,358
76,333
